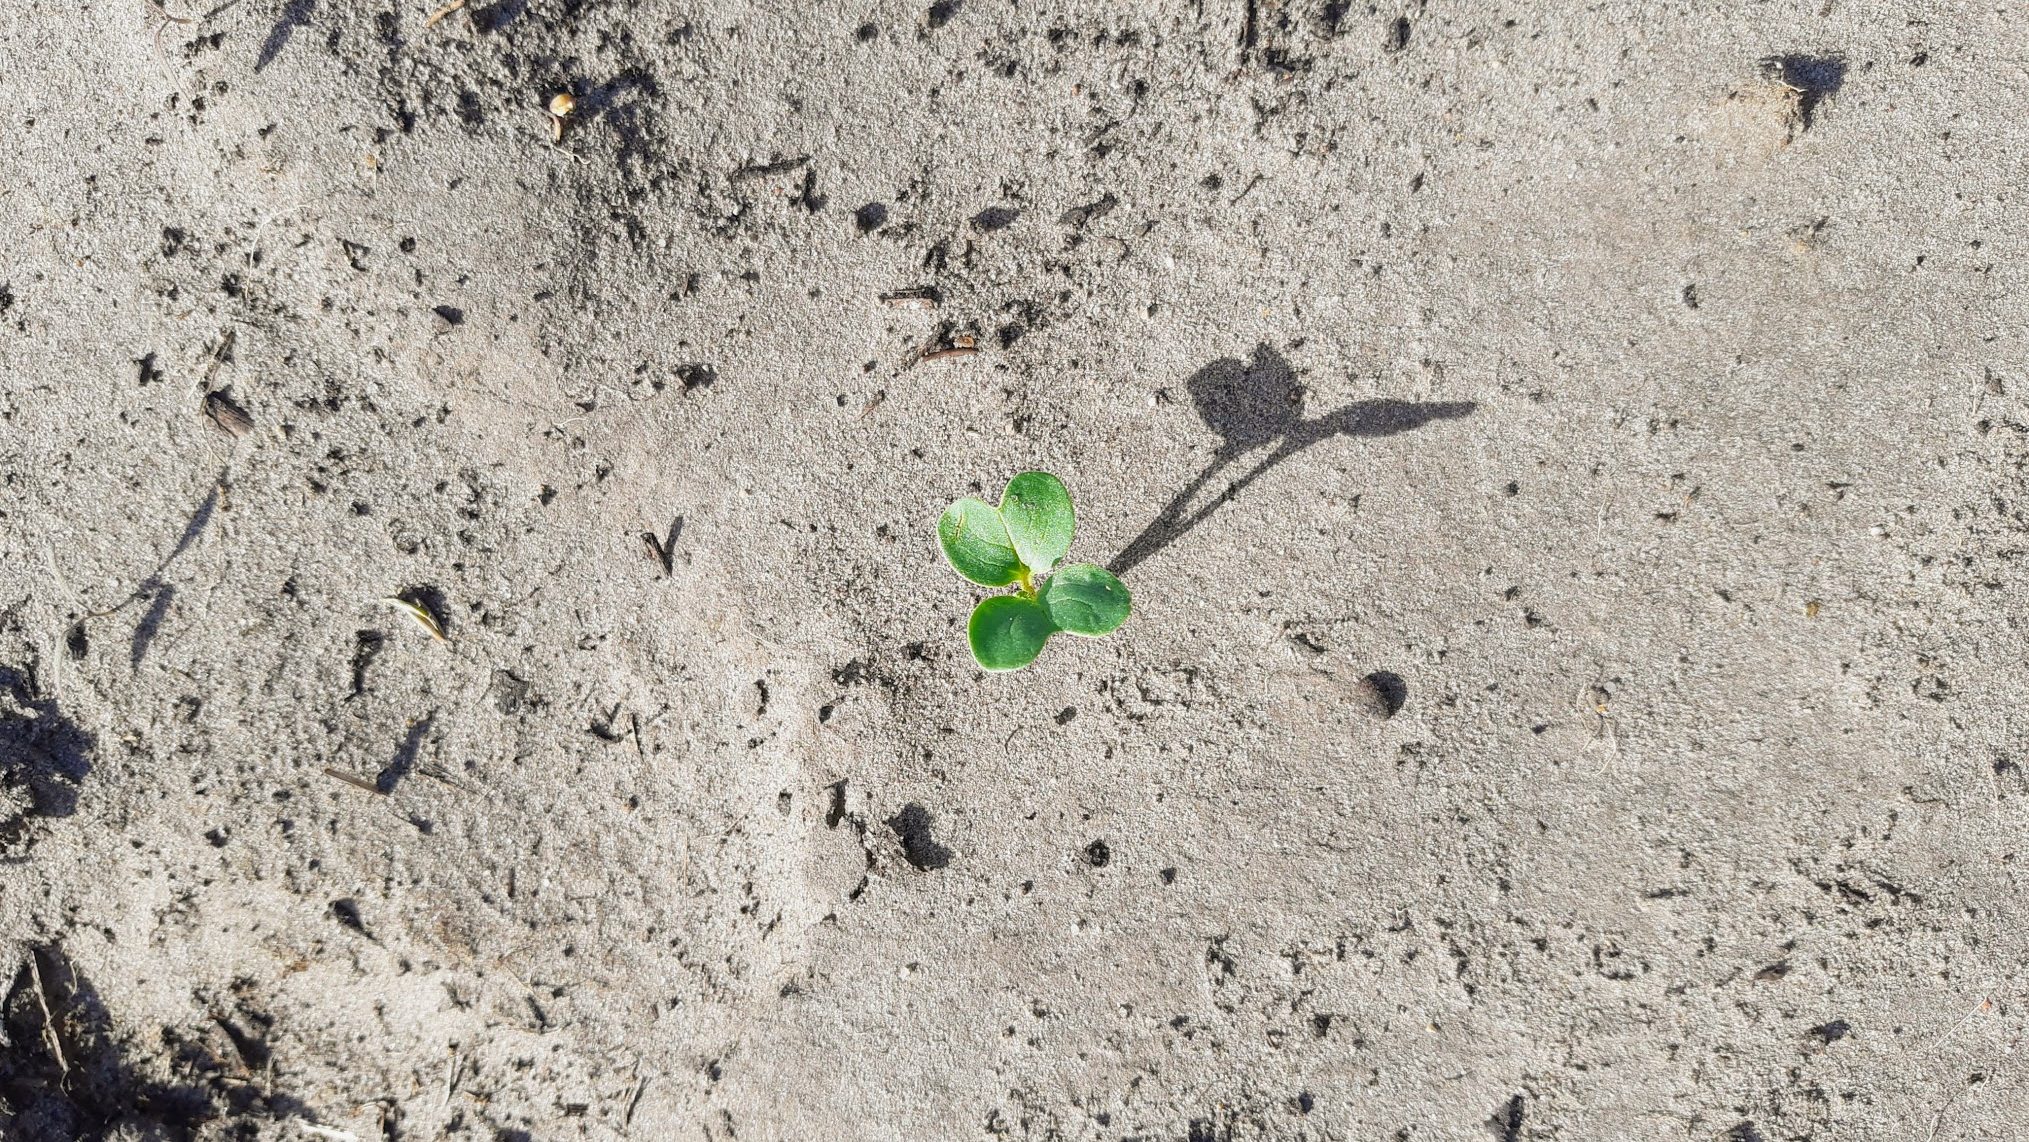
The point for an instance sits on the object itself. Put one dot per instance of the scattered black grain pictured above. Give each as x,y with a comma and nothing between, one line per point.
1829,1033
696,376
1507,1121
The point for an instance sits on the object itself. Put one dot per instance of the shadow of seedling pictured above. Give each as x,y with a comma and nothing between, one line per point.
44,757
295,14
1251,404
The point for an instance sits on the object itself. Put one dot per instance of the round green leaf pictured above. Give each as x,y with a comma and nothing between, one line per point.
976,542
1037,510
1084,599
1008,631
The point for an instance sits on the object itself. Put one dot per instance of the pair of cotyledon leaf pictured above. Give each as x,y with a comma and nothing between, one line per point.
1013,545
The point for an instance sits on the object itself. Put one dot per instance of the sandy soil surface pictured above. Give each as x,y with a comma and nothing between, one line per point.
1568,461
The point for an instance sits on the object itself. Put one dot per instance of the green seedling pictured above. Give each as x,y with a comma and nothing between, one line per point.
1017,545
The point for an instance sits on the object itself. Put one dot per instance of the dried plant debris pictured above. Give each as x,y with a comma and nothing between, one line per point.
221,354
227,414
66,1073
1081,216
441,12
662,549
951,347
417,609
354,780
768,169
561,105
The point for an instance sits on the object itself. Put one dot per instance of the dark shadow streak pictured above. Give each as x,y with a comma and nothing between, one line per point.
404,761
195,527
1251,404
152,621
154,588
294,15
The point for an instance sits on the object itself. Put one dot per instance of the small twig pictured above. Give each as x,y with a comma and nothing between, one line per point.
163,19
442,12
1986,1004
640,1087
350,779
218,353
451,1079
49,1034
662,551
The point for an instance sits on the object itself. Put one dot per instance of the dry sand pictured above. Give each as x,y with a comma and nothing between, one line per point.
1569,462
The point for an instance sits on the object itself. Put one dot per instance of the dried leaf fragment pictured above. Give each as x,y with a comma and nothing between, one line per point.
227,415
421,614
